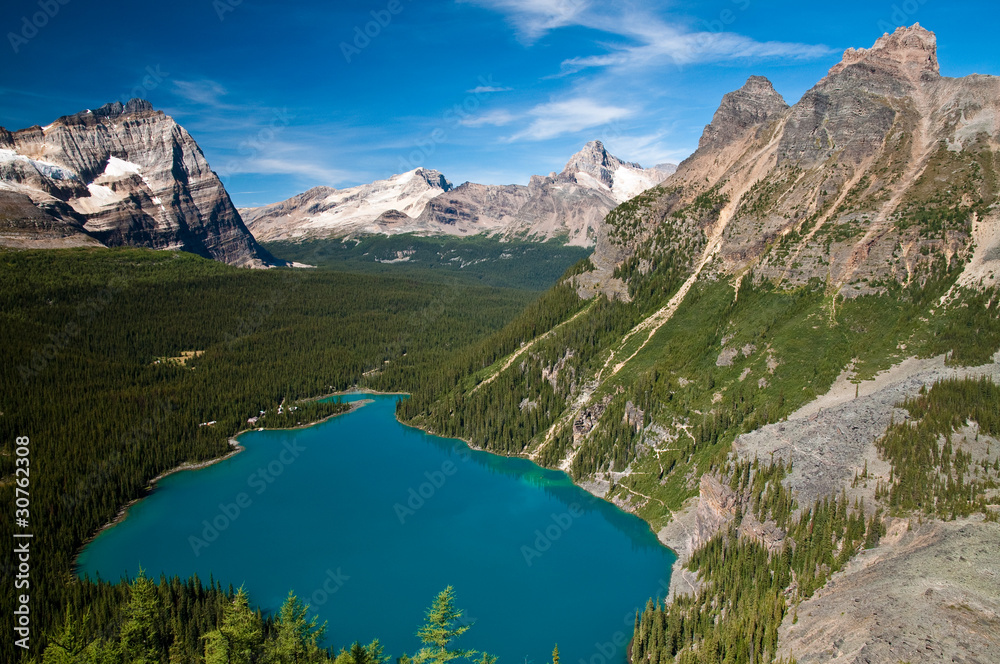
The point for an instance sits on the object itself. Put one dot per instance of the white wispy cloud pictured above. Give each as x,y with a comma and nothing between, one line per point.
308,169
533,18
204,92
647,149
282,157
493,118
482,89
644,37
681,48
568,116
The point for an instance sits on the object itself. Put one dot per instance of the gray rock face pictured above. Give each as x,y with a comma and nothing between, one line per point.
753,105
476,205
847,113
123,175
844,185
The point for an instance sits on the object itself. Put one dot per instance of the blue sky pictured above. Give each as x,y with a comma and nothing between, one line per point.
285,98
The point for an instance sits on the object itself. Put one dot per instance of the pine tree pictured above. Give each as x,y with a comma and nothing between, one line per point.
443,626
68,646
240,636
298,637
140,632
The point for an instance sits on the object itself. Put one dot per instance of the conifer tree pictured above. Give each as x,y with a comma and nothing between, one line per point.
140,632
442,627
238,638
298,637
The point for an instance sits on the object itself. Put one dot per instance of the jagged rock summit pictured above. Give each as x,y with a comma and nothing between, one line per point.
882,172
752,105
907,52
120,175
594,167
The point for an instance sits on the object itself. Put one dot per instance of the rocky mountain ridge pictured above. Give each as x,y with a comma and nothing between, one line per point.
120,175
881,169
568,204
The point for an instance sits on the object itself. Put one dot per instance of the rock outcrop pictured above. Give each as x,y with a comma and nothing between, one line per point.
121,175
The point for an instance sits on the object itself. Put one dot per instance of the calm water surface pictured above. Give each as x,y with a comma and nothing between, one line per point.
367,520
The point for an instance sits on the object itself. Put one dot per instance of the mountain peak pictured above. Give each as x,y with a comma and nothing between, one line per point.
908,51
753,104
759,85
434,179
116,108
592,158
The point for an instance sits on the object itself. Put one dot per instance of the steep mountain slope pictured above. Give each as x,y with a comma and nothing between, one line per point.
880,170
571,204
119,175
836,237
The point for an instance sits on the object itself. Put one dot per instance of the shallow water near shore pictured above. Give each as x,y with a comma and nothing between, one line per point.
367,520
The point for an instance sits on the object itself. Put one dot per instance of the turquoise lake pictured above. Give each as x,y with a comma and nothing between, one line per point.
367,520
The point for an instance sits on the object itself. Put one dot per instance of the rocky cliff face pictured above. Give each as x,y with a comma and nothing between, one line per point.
570,204
882,170
118,175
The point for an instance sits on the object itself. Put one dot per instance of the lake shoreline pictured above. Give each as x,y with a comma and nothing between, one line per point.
235,448
502,513
589,487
